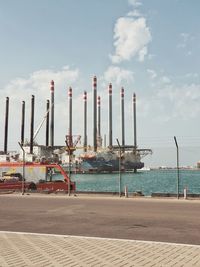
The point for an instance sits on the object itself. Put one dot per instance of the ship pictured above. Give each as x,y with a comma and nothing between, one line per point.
106,161
110,162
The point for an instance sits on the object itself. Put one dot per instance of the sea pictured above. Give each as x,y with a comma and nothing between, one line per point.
147,182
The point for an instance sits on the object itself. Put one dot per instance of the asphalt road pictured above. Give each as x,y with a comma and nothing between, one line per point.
111,217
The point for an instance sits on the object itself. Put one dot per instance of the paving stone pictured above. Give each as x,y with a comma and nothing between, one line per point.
21,249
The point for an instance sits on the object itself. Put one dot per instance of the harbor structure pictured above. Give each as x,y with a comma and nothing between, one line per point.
96,158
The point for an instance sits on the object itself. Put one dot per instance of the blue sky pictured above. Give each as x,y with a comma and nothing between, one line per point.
149,47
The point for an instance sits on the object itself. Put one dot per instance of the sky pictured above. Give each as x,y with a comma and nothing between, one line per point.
148,47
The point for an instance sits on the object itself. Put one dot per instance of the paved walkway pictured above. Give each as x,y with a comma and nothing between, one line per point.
24,249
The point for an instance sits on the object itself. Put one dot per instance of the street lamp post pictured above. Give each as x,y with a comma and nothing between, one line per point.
69,170
70,162
119,167
23,169
177,159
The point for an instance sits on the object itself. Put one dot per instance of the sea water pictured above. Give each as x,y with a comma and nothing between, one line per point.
148,182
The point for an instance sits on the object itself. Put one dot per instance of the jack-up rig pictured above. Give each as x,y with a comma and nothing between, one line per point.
104,159
96,158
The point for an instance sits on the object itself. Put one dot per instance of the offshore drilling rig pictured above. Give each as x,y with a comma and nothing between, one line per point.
94,158
97,158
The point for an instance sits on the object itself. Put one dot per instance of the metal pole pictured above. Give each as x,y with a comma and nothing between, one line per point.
6,126
178,174
22,123
99,121
52,115
23,169
135,127
119,167
32,123
122,117
47,124
69,191
70,117
69,172
104,140
85,121
95,113
134,120
110,115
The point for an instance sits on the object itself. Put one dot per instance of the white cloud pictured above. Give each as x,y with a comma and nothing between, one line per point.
151,56
184,38
38,84
131,39
135,3
118,75
165,79
152,73
134,13
192,75
177,102
185,43
142,53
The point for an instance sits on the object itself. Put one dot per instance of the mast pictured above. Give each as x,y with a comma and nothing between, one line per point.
134,120
23,123
99,121
70,117
85,121
110,115
122,117
95,113
32,123
52,114
47,123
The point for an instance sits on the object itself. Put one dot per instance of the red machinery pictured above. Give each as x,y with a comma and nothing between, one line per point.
34,176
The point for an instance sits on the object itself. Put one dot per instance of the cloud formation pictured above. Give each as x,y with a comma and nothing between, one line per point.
131,39
118,75
172,102
152,73
38,84
135,3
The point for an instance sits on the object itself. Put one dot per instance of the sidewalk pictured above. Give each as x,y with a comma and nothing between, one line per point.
25,249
